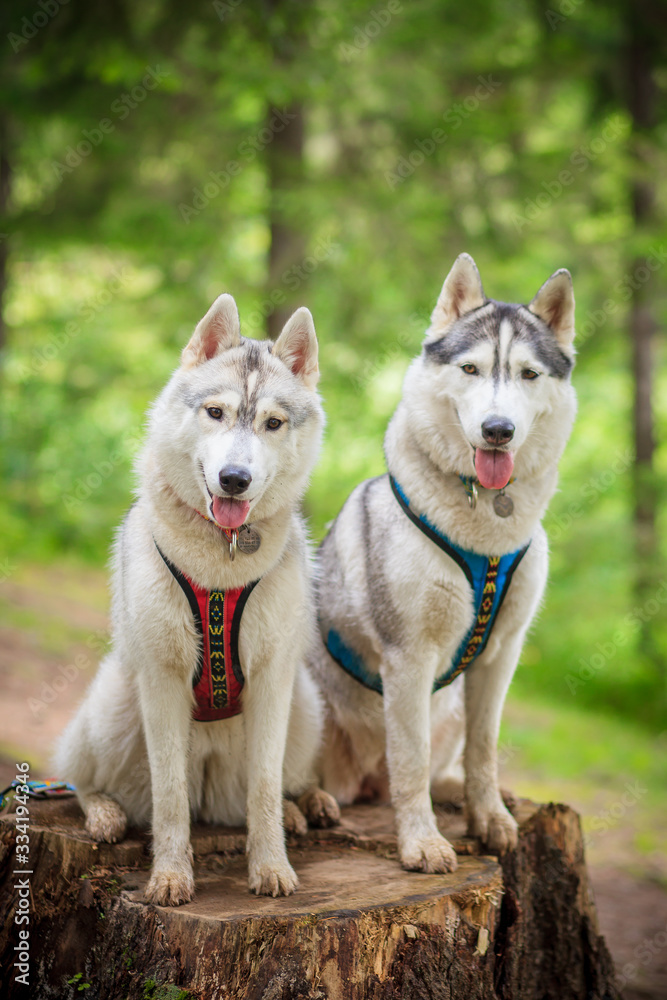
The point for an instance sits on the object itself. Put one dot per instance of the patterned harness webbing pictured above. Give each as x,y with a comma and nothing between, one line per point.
489,578
218,679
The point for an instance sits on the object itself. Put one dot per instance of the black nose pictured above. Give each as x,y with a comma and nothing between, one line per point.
497,430
234,480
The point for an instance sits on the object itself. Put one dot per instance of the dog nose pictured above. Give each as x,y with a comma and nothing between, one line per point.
497,430
234,480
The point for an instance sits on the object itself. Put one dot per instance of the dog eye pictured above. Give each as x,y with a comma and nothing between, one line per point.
470,369
529,373
273,423
214,411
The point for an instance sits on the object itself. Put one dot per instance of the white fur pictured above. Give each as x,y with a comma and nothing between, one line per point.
429,443
133,750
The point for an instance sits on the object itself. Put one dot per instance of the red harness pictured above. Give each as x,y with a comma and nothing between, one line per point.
218,679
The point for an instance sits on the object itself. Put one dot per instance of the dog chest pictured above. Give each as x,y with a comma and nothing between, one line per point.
218,679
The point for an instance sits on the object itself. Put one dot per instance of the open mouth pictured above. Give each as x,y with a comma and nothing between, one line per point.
493,467
228,512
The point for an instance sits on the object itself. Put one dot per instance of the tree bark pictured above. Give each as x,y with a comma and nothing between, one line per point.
641,98
288,243
5,183
358,927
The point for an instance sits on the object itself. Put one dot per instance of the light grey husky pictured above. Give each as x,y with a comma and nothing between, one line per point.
430,575
212,612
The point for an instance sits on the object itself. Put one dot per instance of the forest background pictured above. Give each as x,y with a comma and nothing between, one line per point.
340,155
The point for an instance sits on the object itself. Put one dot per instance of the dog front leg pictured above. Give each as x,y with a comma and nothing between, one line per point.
266,709
407,709
486,686
167,709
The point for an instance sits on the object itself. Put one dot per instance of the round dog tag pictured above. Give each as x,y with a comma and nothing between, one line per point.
249,540
502,504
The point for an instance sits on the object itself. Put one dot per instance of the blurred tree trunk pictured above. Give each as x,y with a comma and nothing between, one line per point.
284,158
288,245
641,58
5,181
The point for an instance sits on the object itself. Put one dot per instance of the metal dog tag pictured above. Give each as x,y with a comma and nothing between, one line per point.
249,539
503,505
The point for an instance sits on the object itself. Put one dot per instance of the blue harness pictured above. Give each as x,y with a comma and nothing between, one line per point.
489,578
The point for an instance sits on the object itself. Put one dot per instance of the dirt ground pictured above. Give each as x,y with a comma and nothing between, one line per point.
54,629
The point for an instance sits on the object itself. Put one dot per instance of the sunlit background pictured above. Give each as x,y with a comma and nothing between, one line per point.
340,155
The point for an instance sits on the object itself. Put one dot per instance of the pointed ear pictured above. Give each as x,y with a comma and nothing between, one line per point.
216,332
554,304
461,292
296,347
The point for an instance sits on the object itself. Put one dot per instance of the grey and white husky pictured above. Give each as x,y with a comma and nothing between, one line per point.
430,575
212,612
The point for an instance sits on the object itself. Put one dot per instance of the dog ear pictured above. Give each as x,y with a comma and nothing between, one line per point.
461,292
296,347
216,332
554,304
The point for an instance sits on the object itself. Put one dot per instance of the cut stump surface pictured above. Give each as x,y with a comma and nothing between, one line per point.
358,926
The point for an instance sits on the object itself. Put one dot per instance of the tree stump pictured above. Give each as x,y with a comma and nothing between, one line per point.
358,927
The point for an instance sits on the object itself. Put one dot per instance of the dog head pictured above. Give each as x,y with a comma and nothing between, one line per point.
501,370
238,427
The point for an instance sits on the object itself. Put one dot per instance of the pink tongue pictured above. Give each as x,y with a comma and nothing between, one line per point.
494,468
230,513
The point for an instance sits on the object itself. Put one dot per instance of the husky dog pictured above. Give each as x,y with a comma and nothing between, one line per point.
413,579
215,530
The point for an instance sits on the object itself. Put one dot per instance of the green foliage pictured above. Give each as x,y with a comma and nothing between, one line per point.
491,128
77,980
154,990
548,753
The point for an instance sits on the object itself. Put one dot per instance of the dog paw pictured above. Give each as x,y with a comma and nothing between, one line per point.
170,886
105,820
320,808
272,880
294,821
496,828
432,854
